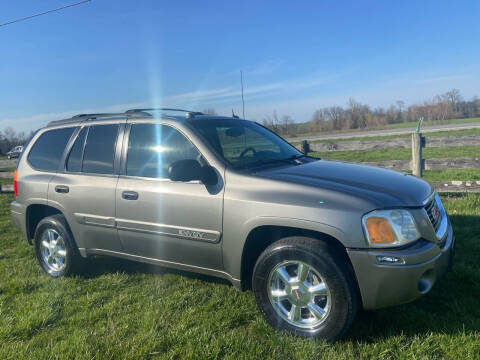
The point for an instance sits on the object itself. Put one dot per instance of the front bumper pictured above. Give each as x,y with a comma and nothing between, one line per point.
384,285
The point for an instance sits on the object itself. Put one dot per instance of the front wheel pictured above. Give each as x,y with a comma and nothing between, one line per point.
303,286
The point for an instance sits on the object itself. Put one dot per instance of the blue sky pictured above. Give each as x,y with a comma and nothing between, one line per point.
111,55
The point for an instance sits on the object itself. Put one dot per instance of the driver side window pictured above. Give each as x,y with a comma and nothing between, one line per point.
153,147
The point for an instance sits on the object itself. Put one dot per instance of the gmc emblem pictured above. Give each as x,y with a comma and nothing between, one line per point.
435,212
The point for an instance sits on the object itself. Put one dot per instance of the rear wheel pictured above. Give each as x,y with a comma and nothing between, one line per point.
303,286
55,248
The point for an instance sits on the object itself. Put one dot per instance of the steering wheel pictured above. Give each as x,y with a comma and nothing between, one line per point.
247,150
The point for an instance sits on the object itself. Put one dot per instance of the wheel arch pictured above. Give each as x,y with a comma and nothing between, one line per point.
35,213
262,236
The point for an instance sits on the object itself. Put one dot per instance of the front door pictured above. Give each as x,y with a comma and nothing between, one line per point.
177,222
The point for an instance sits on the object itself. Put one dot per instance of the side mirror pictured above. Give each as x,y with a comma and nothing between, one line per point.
210,176
189,170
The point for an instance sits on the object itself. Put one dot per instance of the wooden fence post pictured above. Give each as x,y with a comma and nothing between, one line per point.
305,146
417,162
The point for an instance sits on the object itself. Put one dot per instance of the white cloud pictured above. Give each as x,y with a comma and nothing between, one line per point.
206,96
262,99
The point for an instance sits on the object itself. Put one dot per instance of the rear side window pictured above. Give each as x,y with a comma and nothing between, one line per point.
26,145
153,147
100,149
74,162
48,149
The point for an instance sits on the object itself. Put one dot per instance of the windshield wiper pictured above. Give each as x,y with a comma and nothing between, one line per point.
261,162
290,158
294,157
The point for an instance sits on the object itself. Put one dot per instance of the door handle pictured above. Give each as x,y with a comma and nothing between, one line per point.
63,189
130,195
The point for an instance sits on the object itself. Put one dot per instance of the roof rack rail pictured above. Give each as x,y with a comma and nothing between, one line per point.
132,112
95,115
188,114
80,117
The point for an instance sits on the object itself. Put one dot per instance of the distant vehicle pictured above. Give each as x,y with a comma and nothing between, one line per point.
15,152
227,197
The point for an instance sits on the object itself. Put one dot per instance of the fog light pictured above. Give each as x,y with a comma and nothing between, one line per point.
390,260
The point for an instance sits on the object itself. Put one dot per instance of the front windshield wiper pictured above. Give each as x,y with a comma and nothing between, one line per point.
294,157
290,158
261,162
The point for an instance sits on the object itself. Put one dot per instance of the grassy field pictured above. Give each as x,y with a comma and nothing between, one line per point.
451,174
118,309
430,134
10,169
399,153
304,127
6,181
406,154
413,124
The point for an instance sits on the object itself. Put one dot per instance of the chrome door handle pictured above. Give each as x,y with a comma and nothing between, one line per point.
130,195
63,189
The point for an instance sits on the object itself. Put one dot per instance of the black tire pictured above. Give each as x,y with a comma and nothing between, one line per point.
73,260
335,272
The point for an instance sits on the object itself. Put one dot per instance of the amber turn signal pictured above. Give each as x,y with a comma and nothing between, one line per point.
379,230
15,183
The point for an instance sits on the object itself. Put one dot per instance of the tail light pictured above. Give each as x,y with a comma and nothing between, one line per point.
15,183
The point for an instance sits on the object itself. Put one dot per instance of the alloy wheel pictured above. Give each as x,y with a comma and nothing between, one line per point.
53,250
298,294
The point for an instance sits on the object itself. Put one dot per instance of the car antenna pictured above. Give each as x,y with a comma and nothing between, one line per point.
235,116
243,101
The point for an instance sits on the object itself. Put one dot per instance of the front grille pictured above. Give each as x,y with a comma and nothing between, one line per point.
429,209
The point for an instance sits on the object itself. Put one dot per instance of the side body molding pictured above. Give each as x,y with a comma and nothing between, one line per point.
150,228
169,230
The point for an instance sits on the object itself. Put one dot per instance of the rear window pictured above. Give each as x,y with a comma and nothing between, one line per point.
100,149
48,149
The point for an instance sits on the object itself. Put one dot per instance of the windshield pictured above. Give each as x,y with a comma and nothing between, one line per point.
244,144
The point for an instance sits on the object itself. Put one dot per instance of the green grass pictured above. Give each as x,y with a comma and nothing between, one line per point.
413,124
122,310
10,169
429,134
451,174
6,181
399,153
405,125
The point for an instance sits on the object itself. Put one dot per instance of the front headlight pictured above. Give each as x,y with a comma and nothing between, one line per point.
387,228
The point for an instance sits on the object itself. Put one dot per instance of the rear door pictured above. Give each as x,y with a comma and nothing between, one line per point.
84,188
178,222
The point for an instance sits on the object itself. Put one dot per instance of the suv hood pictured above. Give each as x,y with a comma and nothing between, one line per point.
384,188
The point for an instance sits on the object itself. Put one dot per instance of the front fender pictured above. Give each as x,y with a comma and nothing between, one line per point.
256,222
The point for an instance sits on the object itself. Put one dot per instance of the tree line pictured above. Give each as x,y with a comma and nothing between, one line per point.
449,105
9,138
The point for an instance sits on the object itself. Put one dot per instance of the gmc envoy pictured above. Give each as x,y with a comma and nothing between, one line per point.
222,196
